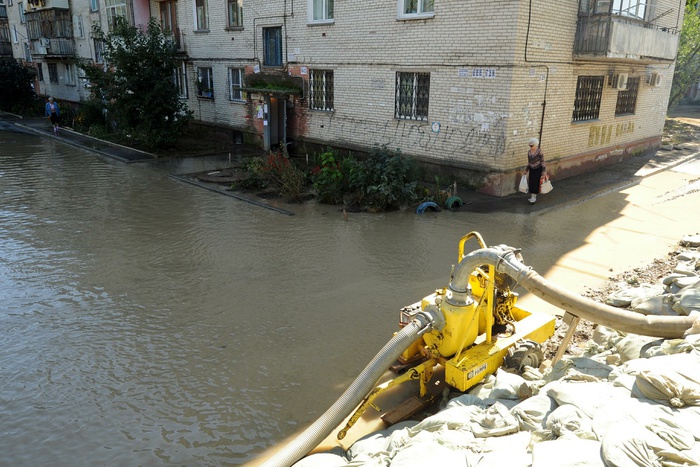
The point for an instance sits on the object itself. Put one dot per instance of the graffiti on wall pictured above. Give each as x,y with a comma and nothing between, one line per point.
477,138
599,135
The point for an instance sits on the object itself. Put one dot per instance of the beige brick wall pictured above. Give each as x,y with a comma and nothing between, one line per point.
525,49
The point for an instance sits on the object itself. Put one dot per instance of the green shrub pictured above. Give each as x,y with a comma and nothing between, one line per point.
386,180
327,178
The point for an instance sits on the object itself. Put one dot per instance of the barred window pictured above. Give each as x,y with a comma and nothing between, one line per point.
412,95
53,72
321,89
589,91
627,100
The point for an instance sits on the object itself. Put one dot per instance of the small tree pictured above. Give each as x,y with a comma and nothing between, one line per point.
687,71
137,89
16,92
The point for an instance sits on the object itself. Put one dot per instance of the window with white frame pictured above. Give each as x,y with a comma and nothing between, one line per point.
79,26
70,74
114,9
320,11
15,37
235,13
201,15
414,8
629,8
235,83
180,78
22,18
53,73
94,5
321,89
205,83
412,95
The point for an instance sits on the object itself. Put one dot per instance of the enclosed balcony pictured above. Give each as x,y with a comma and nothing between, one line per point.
615,30
5,45
50,32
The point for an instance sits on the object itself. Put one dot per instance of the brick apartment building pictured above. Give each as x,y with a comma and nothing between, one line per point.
458,85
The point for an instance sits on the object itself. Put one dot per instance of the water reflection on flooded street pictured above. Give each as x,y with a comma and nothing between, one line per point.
148,322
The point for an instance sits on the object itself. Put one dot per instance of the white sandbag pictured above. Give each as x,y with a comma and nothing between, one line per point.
689,418
674,434
630,347
531,412
624,296
507,385
467,400
483,389
660,305
688,301
429,452
632,445
567,452
332,458
568,419
377,441
670,379
454,418
589,397
494,421
632,410
665,347
511,450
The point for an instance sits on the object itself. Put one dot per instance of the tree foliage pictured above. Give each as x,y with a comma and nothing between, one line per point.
16,92
687,71
137,87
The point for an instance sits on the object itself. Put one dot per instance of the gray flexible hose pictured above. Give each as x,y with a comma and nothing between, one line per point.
504,260
354,394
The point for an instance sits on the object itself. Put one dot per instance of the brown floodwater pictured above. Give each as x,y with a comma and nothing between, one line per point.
145,321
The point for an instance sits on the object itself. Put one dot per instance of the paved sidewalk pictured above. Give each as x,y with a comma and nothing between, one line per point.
566,192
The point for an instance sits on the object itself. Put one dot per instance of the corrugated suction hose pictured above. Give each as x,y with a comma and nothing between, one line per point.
355,393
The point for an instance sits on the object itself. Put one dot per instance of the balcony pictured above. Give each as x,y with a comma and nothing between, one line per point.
609,37
52,47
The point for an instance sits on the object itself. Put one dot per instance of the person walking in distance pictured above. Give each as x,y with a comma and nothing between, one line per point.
535,168
54,114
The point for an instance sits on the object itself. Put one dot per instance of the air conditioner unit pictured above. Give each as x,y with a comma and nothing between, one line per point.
622,82
655,79
46,42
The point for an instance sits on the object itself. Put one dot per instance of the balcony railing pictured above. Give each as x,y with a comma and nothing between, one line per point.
52,47
613,37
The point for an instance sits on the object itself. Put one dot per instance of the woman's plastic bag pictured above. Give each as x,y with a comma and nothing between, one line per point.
524,188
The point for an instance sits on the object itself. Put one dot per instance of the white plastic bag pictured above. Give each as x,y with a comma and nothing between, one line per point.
545,184
524,188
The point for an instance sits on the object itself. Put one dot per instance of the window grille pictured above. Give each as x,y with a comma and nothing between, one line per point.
627,100
412,95
589,91
321,89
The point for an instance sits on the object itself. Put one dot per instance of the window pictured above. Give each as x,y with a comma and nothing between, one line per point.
410,8
627,100
235,13
22,18
99,47
53,73
70,74
320,11
321,89
272,44
168,20
79,26
412,95
94,5
40,72
15,38
235,83
180,79
589,91
114,9
201,14
629,8
205,83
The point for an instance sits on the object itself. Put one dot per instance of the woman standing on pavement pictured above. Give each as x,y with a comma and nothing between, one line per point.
535,168
53,112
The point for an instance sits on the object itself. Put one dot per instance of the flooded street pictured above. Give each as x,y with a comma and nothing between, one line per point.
146,321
